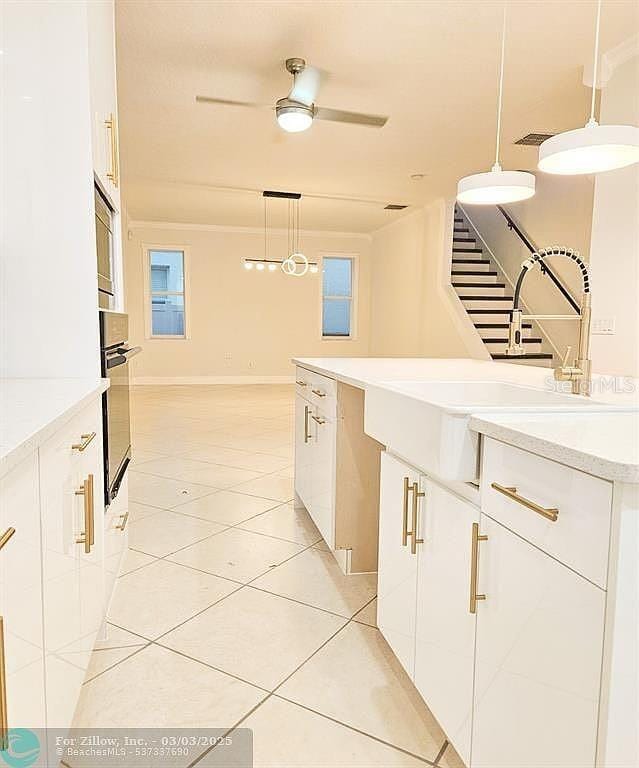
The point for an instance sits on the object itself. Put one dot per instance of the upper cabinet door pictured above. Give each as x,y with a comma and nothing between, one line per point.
397,568
104,109
538,662
445,644
21,651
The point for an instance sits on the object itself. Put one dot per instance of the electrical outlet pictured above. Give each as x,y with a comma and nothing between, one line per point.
251,364
603,326
228,356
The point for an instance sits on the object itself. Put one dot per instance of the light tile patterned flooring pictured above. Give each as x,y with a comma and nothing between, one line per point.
230,612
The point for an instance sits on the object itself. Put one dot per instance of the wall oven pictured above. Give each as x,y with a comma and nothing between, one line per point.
115,354
104,249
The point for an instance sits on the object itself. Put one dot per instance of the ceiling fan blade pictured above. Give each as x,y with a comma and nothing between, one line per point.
228,102
340,116
305,86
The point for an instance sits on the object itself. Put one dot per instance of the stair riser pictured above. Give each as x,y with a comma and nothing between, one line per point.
501,317
471,268
481,291
483,304
492,333
487,280
494,348
471,256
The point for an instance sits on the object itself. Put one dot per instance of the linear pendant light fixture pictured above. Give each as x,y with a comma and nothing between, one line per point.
497,186
594,148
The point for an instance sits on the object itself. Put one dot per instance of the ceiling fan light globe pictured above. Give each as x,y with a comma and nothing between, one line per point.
496,187
292,117
592,149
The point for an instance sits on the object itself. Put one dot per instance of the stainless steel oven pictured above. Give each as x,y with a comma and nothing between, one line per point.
115,354
104,249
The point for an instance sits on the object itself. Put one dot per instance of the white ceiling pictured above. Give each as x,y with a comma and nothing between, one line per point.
430,65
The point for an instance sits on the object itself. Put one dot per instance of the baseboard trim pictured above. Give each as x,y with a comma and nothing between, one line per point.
186,380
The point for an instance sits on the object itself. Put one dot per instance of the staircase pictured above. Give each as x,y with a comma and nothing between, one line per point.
487,296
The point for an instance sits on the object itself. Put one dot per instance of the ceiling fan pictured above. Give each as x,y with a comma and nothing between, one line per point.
297,111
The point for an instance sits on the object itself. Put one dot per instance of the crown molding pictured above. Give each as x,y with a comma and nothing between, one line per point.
222,228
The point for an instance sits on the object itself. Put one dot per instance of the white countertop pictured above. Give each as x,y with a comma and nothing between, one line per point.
31,410
602,444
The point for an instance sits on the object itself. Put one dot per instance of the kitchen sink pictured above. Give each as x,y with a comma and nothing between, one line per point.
426,422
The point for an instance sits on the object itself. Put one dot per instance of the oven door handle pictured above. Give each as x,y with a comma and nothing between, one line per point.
128,352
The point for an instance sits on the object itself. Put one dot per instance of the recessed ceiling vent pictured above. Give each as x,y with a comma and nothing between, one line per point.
394,207
534,139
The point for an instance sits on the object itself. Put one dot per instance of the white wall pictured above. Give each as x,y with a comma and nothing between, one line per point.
415,311
241,324
615,238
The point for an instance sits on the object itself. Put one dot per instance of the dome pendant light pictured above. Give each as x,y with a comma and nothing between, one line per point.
594,148
497,186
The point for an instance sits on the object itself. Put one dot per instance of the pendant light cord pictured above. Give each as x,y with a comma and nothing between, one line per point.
501,87
595,65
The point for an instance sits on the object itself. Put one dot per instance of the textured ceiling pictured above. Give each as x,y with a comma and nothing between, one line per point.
430,65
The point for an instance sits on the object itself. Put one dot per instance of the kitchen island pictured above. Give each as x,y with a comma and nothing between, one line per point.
507,541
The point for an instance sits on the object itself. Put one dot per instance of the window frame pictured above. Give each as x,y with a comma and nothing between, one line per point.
148,293
354,259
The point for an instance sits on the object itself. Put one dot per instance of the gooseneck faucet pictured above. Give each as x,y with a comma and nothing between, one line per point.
579,372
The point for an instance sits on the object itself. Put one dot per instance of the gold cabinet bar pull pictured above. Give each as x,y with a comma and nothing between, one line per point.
112,173
4,715
417,495
405,533
474,565
86,439
301,383
550,513
87,537
318,420
306,435
318,392
123,521
6,536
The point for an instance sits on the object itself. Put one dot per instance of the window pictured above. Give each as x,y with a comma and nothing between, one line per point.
337,296
166,289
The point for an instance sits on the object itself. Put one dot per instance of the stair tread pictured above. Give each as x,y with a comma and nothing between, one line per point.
471,261
475,311
525,356
498,325
486,298
468,250
526,340
475,272
479,285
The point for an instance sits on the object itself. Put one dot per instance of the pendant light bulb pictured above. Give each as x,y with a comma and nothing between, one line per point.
594,148
497,186
248,265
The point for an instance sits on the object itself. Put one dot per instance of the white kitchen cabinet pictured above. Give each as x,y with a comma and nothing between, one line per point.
445,627
72,539
116,534
397,565
303,446
104,110
21,648
538,658
322,491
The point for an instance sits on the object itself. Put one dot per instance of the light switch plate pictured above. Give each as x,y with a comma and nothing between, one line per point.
603,326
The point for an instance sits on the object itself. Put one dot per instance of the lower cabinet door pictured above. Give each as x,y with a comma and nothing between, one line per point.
538,659
397,566
116,534
445,634
22,701
322,498
73,539
303,447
